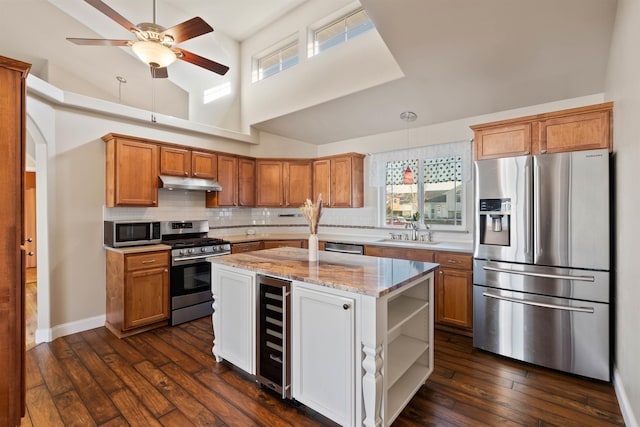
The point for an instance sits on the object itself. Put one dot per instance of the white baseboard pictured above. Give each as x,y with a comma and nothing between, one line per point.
48,335
630,419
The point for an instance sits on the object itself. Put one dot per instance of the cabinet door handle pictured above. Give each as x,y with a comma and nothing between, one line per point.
149,261
452,261
30,253
29,239
346,306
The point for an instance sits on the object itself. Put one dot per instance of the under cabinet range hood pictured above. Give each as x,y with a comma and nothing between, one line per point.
182,183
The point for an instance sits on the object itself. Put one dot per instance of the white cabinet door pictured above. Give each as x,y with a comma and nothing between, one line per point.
323,353
234,319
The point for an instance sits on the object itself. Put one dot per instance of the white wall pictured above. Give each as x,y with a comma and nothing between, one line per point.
347,68
75,202
623,89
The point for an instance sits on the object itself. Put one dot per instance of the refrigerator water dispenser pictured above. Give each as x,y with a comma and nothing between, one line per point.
494,221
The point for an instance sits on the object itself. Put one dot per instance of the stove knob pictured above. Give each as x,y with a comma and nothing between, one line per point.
181,252
191,251
203,249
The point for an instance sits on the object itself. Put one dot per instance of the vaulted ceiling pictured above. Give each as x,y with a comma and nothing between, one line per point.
460,58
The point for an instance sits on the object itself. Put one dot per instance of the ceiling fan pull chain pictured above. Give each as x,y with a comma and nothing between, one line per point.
155,11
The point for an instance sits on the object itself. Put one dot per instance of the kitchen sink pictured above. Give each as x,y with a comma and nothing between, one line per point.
409,242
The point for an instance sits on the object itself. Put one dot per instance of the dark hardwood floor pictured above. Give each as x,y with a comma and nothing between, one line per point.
168,377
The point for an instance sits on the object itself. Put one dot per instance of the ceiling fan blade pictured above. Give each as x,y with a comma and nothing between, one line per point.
198,60
194,27
159,73
99,42
104,8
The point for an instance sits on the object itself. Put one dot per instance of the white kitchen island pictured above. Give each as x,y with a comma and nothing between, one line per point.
361,328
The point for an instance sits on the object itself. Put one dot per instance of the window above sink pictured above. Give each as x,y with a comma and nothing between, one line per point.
428,184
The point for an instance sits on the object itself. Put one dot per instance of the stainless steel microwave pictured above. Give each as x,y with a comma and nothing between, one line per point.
131,233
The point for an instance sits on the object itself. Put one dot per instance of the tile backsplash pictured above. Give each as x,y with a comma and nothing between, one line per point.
189,205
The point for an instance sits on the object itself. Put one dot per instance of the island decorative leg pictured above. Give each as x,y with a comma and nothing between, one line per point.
372,385
214,322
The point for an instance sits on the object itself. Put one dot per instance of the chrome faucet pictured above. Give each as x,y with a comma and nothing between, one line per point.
429,233
414,229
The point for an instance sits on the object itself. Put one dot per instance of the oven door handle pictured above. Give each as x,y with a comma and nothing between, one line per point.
540,304
544,275
190,258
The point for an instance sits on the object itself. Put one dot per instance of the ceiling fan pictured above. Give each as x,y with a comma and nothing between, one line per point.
155,44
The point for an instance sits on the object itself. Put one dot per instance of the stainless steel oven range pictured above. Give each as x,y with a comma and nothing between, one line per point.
190,271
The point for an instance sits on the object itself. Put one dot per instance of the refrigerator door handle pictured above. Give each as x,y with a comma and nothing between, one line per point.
536,213
545,275
540,304
527,206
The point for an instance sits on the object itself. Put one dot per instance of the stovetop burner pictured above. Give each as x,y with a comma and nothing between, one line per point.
194,242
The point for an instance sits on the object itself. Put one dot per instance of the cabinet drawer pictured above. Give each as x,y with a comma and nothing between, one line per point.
238,248
451,260
147,260
268,244
400,253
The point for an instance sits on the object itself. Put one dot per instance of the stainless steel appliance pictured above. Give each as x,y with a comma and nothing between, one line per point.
131,233
191,296
273,359
542,258
345,248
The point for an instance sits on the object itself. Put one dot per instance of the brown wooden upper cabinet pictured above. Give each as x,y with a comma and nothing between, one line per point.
134,164
282,183
587,131
228,180
236,176
246,182
340,180
189,163
204,165
583,128
131,172
503,141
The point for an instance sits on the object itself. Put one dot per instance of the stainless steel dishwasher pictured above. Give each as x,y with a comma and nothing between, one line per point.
345,248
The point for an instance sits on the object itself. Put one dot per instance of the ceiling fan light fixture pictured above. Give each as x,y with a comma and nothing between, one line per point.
153,53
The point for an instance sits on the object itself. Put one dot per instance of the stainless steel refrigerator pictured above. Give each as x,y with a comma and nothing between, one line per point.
542,260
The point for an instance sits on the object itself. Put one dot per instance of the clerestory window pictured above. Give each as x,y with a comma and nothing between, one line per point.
340,30
276,61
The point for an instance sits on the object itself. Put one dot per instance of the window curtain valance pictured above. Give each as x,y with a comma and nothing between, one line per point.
445,153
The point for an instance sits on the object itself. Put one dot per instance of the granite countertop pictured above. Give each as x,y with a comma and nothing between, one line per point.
138,249
366,275
463,247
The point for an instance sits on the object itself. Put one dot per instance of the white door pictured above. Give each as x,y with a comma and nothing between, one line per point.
234,317
323,353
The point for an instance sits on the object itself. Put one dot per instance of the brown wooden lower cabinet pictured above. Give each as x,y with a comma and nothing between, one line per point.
238,248
268,244
401,253
137,291
454,292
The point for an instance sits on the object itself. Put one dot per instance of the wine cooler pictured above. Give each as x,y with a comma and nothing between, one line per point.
273,358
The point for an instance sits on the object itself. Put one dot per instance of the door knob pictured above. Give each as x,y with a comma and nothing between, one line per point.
346,306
